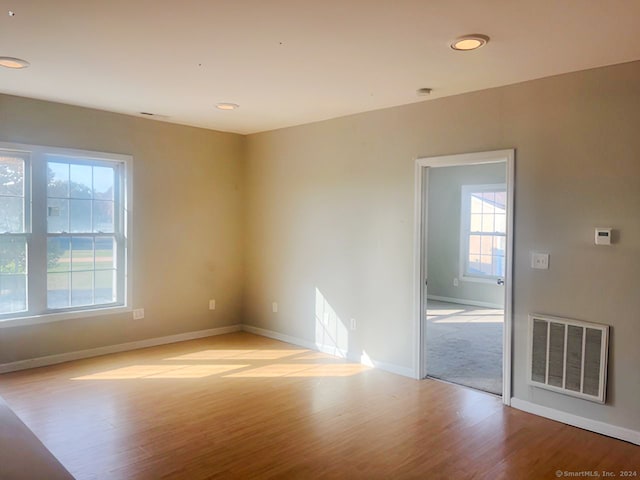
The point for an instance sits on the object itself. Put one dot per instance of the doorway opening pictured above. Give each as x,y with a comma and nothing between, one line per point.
464,208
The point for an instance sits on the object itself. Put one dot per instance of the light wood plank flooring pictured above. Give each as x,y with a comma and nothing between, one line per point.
243,406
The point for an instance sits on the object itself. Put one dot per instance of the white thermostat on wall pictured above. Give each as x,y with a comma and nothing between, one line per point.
603,236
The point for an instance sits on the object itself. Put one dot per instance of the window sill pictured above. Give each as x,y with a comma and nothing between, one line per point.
56,317
487,281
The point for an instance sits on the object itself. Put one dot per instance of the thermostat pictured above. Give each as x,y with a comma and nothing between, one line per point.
603,236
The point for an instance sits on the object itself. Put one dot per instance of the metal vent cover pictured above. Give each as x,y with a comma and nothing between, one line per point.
568,356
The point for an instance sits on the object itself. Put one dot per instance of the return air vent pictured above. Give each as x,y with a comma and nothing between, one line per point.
568,356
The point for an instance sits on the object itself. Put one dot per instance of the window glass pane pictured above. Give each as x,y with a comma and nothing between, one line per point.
498,266
58,294
102,216
474,264
499,245
105,258
486,264
13,293
82,288
11,176
105,286
81,253
476,203
501,200
57,215
103,182
11,214
476,222
501,223
489,199
474,243
58,254
57,179
13,255
80,216
487,223
80,184
486,245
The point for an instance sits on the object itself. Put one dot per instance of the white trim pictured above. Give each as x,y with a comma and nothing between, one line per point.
121,347
330,350
597,426
462,301
55,317
279,336
419,269
508,301
420,252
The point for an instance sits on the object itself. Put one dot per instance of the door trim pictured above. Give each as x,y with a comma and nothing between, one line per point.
420,254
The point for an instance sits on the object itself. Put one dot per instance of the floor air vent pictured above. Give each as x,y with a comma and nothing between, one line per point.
568,356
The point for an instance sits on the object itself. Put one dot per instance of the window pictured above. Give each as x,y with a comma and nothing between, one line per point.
483,227
63,231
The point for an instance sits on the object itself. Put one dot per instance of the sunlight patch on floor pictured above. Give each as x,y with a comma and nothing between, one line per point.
239,355
161,371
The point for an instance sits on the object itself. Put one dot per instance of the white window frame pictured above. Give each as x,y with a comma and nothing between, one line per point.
465,231
36,232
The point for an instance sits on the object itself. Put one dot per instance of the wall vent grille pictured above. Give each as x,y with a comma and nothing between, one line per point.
568,356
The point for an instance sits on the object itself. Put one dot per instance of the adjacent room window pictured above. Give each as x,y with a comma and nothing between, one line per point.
63,231
483,231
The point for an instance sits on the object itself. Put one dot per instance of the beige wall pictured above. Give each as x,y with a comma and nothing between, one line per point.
331,207
187,209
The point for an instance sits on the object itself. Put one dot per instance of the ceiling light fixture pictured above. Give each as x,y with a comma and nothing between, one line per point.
10,62
227,106
470,42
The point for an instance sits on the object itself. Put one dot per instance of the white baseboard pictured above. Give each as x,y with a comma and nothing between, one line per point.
122,347
462,301
331,350
603,428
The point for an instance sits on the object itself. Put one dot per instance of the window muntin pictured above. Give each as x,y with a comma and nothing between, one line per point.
78,243
484,223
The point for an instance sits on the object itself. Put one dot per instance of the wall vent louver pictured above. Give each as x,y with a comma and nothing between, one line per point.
568,356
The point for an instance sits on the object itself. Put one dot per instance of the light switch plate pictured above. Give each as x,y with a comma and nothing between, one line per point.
540,261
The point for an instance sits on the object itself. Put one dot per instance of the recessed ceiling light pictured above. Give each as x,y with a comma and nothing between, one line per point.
10,62
470,42
227,106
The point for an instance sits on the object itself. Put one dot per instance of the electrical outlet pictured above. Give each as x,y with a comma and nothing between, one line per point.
540,261
274,307
212,304
352,324
138,313
455,282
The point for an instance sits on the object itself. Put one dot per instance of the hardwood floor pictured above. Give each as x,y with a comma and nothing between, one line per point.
243,406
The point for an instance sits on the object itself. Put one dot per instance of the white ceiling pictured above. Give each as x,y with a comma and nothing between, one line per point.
289,62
